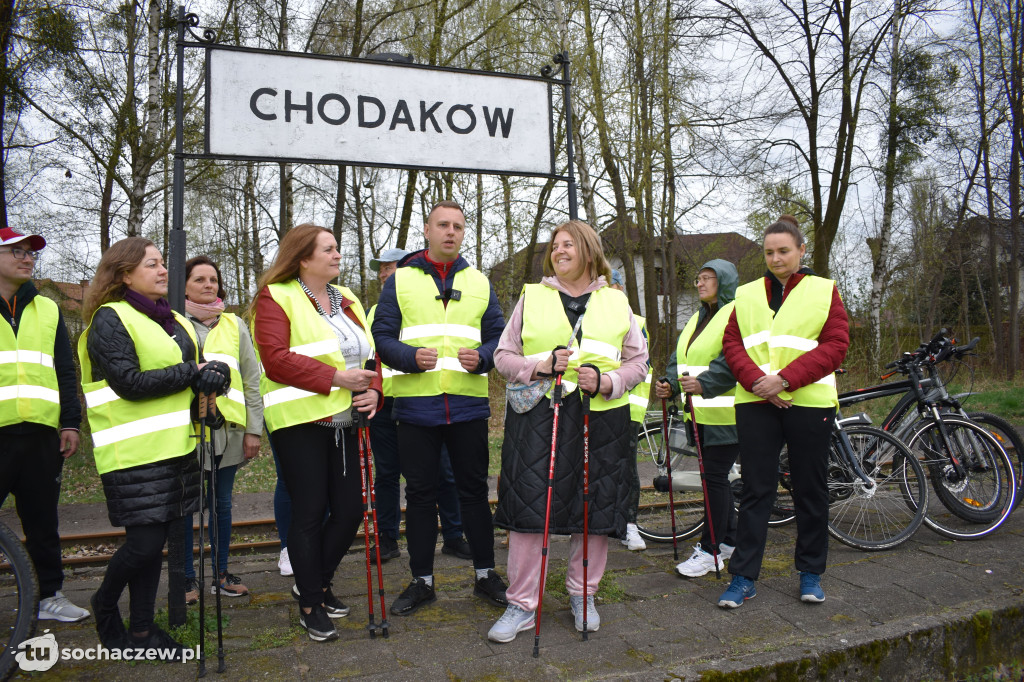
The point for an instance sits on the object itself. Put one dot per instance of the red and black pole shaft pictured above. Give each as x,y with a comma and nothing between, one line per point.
703,481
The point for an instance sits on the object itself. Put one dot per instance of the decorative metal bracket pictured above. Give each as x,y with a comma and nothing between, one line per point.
559,58
192,21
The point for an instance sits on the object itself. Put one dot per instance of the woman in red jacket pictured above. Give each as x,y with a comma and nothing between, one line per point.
787,335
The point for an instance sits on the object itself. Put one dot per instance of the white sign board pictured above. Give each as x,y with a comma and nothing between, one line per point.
297,107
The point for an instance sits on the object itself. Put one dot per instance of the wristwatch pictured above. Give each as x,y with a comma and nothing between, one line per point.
785,384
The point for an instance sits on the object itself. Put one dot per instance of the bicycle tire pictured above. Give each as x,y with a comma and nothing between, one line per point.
887,514
978,504
19,603
654,522
1008,438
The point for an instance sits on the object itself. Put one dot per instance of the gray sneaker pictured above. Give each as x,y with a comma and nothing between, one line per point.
59,607
593,619
511,623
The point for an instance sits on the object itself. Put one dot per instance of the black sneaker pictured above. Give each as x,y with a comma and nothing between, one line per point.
416,595
492,588
335,607
191,591
457,547
388,549
318,626
109,625
168,649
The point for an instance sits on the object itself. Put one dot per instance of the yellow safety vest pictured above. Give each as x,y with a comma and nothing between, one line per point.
773,340
312,336
428,323
719,411
605,325
28,381
129,433
386,372
222,343
639,395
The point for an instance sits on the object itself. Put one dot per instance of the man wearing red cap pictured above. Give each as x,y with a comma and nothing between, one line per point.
39,414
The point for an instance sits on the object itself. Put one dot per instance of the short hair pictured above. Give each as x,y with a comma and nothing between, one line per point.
447,203
786,224
588,246
108,284
205,260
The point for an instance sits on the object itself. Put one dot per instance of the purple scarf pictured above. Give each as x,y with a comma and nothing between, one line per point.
159,311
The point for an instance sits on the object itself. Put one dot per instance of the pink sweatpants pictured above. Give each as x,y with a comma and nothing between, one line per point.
524,559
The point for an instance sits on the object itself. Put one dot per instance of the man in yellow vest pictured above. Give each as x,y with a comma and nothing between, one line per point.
386,485
438,323
39,414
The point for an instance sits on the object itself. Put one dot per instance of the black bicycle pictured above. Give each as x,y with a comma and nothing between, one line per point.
19,598
972,473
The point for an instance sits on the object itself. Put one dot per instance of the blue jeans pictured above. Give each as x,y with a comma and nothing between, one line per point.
282,503
220,533
387,488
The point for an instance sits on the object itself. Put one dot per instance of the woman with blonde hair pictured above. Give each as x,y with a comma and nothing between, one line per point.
312,339
140,371
606,358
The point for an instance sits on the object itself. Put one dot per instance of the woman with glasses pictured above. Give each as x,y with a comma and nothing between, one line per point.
698,355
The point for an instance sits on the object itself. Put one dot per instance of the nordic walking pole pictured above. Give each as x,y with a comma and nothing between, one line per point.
586,487
668,464
366,482
556,403
703,482
202,541
212,409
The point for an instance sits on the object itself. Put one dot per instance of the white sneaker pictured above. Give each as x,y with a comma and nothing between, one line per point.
59,607
633,541
593,619
725,551
700,563
511,623
284,564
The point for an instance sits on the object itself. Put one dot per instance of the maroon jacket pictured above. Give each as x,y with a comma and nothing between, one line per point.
272,333
833,342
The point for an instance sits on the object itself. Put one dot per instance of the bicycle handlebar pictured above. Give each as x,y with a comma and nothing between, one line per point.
939,349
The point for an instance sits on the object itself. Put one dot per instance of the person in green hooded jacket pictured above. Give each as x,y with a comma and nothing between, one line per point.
699,354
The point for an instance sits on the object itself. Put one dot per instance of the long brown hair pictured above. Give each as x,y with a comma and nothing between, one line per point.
108,284
588,246
298,245
786,224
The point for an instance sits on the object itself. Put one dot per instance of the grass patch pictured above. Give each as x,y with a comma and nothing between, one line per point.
1002,671
274,638
188,634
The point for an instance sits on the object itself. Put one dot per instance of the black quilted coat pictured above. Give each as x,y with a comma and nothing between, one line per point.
525,456
158,491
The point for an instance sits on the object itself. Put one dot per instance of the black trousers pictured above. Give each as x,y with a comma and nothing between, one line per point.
136,565
718,460
763,429
419,451
322,477
30,469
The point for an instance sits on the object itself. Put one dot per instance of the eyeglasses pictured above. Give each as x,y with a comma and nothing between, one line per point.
703,278
20,254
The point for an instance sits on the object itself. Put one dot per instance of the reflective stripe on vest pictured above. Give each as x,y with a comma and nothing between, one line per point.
773,341
428,323
129,433
639,395
310,335
717,411
28,382
605,325
222,343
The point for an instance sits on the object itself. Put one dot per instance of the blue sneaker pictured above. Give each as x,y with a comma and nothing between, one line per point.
810,588
740,590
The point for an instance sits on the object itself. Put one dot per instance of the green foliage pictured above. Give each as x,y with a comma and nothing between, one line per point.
188,634
773,199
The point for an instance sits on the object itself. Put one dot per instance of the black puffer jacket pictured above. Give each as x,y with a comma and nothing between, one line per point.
160,491
525,457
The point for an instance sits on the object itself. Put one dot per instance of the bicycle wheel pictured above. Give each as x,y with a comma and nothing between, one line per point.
654,520
19,598
1009,440
883,515
974,505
